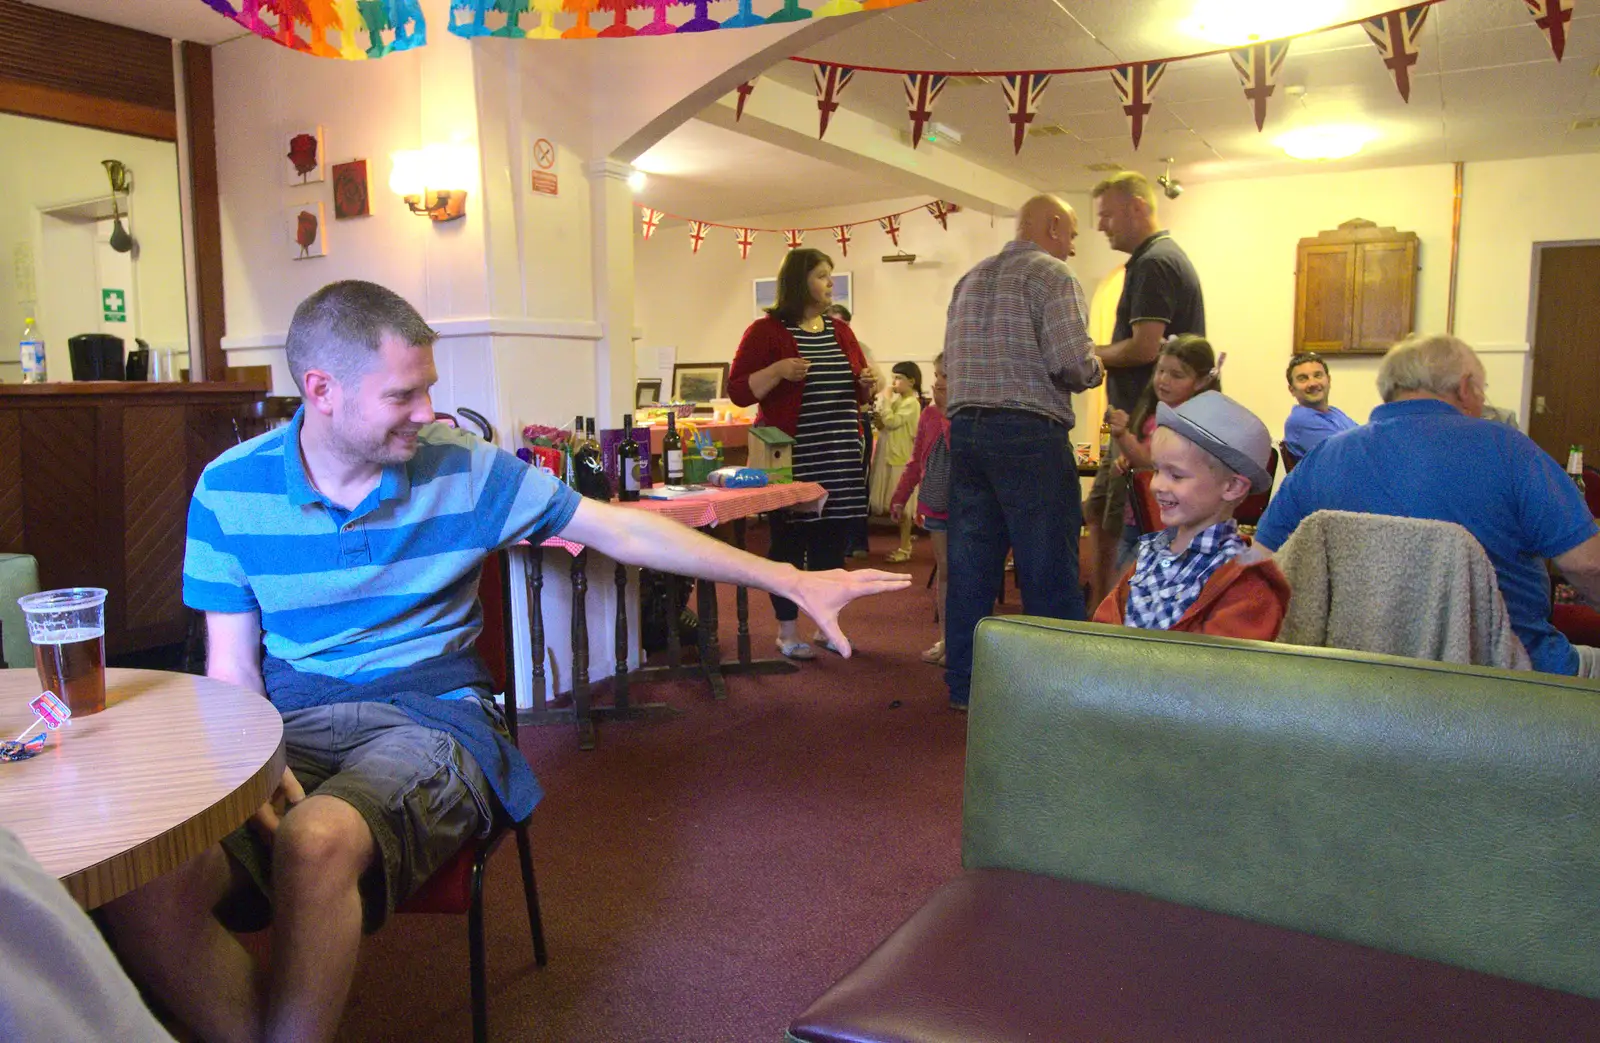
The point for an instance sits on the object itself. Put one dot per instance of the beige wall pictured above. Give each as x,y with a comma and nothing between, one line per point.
1241,236
49,165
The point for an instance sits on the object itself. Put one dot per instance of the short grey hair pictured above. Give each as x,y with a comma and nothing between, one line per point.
1429,362
341,327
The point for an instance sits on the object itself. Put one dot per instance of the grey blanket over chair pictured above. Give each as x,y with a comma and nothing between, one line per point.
1403,586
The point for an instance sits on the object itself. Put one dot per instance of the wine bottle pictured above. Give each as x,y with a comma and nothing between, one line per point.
628,463
672,452
588,466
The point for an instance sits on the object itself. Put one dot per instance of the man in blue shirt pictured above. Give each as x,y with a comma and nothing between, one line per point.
351,541
1425,454
1312,419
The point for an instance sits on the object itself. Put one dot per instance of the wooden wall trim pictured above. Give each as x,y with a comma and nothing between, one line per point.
201,132
87,110
79,55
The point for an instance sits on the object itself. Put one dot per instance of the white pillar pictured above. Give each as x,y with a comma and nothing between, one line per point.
611,229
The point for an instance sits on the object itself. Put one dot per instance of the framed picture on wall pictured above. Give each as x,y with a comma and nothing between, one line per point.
647,393
699,381
766,293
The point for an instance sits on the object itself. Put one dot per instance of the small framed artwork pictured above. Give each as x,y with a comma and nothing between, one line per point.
307,236
842,284
699,381
350,190
303,157
647,393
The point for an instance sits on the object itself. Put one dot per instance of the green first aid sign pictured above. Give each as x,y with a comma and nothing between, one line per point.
114,303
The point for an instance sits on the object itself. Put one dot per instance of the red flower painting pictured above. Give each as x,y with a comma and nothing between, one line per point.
305,157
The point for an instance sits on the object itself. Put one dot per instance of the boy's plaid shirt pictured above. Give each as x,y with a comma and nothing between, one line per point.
1164,584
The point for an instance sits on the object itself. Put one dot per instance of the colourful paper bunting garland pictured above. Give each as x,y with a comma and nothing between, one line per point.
793,238
841,235
891,227
1023,91
651,221
697,234
1136,84
746,239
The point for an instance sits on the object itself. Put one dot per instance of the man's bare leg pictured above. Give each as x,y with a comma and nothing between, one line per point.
170,942
318,856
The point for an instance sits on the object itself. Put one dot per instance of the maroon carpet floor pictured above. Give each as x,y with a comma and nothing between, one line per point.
704,878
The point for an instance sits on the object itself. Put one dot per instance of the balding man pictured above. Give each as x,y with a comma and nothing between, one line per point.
1160,298
1425,454
1015,349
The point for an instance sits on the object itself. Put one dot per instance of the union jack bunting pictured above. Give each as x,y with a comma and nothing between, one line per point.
891,225
841,235
1552,16
745,90
1396,35
652,220
1022,99
697,234
746,238
1137,85
1258,66
831,82
941,212
922,90
794,238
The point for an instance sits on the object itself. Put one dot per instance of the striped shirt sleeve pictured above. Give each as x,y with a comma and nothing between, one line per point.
1064,338
522,503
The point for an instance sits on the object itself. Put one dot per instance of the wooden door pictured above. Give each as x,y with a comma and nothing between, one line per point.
1326,289
1383,307
1565,407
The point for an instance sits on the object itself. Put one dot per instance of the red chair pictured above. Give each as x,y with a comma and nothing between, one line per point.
457,887
1289,459
1591,489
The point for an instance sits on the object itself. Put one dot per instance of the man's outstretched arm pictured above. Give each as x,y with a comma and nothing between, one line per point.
641,538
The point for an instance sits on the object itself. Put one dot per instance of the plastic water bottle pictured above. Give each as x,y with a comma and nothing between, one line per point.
32,354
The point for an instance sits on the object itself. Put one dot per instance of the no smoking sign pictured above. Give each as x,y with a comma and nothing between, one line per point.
544,181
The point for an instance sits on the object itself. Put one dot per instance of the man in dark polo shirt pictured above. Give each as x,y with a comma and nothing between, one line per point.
1160,299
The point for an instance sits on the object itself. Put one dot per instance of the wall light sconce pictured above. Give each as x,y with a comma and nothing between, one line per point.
419,175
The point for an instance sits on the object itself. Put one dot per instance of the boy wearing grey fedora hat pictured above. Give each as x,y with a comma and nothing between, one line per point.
1198,574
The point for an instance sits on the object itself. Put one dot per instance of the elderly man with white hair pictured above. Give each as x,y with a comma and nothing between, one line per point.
1426,454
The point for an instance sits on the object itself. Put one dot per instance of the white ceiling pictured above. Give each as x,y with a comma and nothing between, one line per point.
1486,85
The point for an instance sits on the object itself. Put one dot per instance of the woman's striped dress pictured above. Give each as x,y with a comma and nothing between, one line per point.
827,443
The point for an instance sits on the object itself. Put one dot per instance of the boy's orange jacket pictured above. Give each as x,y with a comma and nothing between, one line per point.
1246,598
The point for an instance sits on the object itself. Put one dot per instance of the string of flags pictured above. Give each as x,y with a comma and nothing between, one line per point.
359,29
1395,34
793,238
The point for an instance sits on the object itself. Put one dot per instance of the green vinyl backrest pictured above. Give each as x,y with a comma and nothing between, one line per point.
1451,813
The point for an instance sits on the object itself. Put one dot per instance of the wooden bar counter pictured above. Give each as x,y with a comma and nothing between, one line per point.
95,478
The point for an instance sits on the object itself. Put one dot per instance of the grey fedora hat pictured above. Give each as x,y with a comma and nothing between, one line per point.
1226,430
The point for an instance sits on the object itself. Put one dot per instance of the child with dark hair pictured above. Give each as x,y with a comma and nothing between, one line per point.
928,475
896,419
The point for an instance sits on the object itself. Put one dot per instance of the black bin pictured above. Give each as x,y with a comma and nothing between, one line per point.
96,356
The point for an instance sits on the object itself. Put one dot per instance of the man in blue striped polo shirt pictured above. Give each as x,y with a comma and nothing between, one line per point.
350,544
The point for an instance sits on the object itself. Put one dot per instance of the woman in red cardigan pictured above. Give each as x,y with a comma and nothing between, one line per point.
807,372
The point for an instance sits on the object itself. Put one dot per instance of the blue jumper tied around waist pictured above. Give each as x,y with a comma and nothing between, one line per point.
415,691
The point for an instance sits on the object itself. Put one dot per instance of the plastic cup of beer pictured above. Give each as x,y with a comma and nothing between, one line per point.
68,630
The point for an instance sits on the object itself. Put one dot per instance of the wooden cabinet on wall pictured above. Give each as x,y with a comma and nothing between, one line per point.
95,480
1354,289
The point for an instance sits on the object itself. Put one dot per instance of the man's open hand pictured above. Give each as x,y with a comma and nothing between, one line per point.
821,595
287,795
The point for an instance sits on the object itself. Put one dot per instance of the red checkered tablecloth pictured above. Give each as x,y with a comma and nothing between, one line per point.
716,506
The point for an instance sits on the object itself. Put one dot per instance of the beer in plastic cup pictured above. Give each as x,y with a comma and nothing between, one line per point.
68,630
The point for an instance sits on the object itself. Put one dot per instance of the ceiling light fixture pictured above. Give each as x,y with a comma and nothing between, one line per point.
1168,183
1330,141
1233,22
637,180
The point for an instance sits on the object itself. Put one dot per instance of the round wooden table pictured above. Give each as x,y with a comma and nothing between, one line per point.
172,765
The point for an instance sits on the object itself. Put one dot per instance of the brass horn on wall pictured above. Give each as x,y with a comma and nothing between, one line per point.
121,179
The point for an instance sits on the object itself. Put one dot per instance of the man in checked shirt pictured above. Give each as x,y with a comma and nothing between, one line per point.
1016,348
